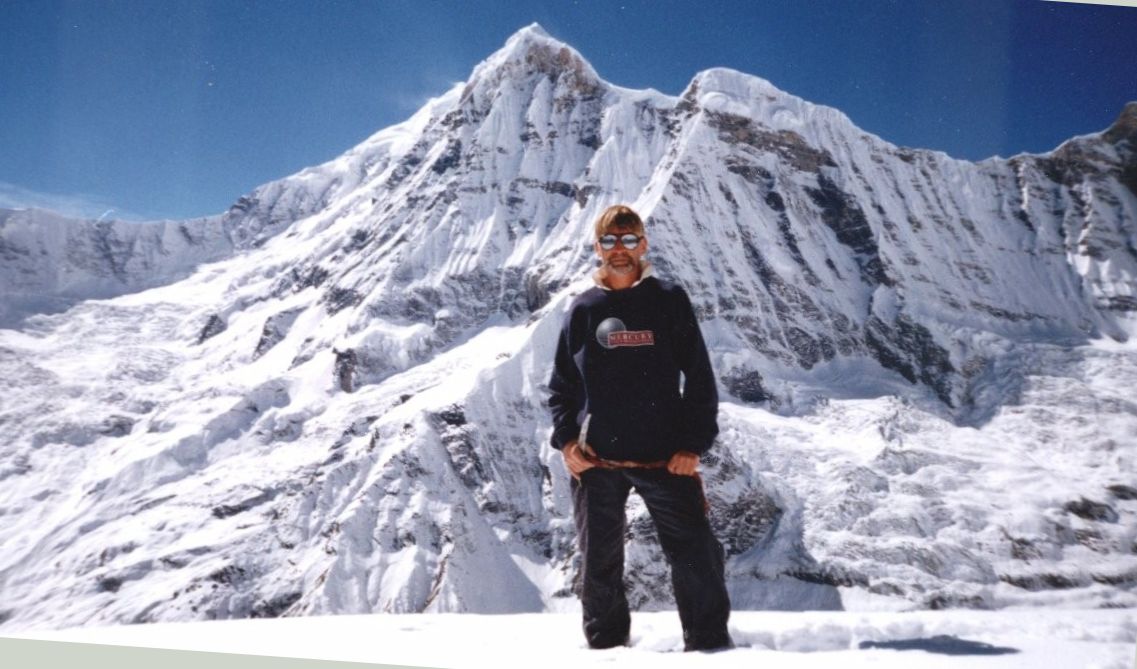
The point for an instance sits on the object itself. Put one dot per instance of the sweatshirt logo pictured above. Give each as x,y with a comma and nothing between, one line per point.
612,333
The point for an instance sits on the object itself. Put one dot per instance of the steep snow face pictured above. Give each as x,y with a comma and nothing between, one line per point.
923,363
50,263
818,242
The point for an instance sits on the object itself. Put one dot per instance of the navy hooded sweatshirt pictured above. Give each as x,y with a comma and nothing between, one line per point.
616,378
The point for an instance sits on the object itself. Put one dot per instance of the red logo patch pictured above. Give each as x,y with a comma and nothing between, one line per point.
631,338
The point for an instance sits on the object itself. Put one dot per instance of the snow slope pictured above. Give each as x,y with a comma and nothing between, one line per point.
1029,639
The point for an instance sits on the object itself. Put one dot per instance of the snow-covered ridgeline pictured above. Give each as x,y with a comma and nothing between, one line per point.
346,416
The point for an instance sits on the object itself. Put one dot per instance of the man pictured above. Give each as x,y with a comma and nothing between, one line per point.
621,422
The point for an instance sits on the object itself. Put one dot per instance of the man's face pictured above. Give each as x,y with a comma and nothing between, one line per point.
620,260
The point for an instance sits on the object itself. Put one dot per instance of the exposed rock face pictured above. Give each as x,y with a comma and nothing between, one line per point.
213,327
343,411
346,362
275,329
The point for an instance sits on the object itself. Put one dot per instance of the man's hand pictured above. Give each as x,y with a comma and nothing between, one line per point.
683,463
574,459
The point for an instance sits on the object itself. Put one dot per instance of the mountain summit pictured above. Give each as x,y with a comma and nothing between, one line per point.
531,50
329,399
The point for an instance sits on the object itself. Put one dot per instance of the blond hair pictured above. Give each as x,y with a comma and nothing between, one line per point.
618,217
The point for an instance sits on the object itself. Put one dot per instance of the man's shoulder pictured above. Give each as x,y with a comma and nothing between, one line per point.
587,299
667,287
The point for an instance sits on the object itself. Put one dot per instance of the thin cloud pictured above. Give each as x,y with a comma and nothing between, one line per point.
72,206
408,104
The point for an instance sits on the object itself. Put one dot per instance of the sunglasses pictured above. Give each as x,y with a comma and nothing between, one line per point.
628,241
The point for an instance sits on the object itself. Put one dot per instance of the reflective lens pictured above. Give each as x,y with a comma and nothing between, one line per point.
628,241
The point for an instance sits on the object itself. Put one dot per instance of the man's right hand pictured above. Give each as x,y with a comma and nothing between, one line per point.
575,461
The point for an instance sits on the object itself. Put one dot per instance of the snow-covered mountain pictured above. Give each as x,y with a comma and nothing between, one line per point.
925,365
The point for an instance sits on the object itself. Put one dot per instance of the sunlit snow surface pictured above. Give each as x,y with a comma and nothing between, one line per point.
1030,639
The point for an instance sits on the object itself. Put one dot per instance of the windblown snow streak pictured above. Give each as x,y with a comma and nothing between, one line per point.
924,362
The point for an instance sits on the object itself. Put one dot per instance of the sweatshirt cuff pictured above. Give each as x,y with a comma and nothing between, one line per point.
698,449
697,445
562,436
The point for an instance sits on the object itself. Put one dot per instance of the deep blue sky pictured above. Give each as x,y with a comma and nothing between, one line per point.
176,108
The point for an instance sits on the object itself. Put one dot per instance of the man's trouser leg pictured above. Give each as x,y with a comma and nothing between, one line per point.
599,498
695,555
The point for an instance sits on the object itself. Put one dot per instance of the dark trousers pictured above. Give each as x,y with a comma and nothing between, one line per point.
695,556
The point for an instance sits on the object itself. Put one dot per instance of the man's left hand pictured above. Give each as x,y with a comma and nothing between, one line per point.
683,463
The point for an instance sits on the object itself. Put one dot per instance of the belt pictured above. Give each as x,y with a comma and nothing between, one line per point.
604,463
